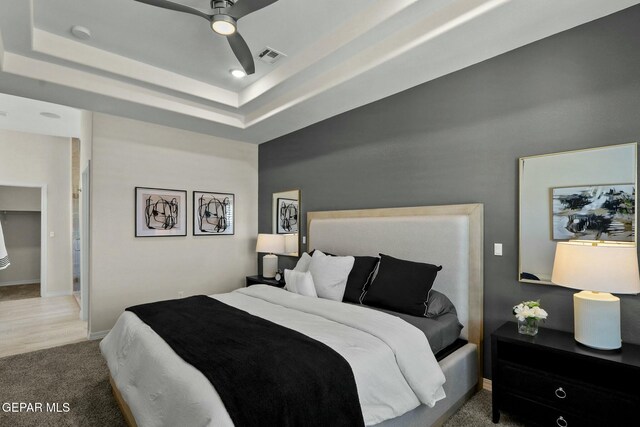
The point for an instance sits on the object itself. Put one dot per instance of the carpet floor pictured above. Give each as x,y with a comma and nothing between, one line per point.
77,375
15,292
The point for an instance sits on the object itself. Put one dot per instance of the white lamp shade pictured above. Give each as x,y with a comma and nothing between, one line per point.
270,243
290,243
602,267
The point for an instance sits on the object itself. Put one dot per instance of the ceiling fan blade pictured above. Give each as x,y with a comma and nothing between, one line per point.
166,4
242,52
245,7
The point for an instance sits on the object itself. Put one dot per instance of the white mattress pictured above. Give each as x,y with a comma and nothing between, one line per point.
394,368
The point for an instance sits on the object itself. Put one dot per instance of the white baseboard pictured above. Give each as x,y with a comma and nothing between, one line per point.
50,294
20,282
486,384
98,335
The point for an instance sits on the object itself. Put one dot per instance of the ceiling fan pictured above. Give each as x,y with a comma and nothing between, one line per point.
223,19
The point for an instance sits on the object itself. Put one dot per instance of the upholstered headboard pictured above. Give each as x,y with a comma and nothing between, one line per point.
450,236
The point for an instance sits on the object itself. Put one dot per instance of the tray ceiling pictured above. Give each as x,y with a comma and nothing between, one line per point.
170,68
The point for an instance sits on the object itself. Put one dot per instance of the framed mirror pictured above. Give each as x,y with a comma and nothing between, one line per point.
285,219
584,195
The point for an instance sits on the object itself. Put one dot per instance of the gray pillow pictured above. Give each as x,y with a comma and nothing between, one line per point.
438,304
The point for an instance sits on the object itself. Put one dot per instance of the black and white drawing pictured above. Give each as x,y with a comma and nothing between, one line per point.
287,216
213,213
160,212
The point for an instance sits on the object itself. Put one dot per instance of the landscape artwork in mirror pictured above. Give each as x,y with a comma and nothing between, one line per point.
594,212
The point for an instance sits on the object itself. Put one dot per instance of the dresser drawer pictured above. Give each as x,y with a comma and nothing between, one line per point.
536,413
563,393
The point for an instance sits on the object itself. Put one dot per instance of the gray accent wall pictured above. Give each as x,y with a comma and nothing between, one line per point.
457,139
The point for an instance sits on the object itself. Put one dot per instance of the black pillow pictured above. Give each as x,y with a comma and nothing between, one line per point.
326,253
402,286
359,278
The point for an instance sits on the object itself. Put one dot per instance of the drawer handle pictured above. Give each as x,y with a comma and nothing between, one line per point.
562,422
561,394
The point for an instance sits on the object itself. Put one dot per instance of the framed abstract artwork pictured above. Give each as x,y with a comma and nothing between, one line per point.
213,213
287,219
160,212
594,212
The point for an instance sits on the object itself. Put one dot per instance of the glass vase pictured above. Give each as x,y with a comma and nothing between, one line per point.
528,326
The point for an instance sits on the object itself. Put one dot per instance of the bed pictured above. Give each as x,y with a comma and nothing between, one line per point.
144,373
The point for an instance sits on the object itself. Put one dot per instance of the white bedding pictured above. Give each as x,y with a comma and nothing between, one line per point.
394,367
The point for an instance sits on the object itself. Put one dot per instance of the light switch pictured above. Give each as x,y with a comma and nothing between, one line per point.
304,240
497,249
52,234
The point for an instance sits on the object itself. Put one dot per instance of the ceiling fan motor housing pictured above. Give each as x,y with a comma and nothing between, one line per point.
221,4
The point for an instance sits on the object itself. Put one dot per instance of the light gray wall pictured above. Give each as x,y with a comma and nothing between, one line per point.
19,198
20,217
22,238
457,140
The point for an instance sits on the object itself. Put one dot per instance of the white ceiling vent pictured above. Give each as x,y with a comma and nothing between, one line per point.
270,56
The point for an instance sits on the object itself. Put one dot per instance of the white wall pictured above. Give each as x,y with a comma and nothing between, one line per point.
35,160
86,138
126,270
19,198
22,238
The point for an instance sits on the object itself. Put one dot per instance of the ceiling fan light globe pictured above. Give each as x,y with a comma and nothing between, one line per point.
238,73
223,25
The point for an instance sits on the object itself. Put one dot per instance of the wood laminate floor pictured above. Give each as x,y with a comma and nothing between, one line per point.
38,323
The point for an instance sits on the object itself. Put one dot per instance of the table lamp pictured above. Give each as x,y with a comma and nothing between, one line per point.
271,244
597,268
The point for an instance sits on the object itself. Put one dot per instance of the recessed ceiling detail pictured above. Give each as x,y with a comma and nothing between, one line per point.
223,19
166,67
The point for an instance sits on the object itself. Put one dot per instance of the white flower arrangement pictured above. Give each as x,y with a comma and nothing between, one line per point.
529,310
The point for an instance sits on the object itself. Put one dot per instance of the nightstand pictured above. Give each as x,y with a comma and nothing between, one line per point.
257,280
551,380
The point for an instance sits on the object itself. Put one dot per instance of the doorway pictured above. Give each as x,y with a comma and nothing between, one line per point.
21,218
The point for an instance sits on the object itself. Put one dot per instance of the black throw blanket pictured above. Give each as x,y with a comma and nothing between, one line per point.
265,374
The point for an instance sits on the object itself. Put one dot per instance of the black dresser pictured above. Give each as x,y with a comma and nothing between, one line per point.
551,380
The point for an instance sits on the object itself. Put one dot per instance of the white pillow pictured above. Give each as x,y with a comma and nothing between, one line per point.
330,274
303,263
300,282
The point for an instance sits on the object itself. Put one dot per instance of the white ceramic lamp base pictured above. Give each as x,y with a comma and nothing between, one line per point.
269,266
596,320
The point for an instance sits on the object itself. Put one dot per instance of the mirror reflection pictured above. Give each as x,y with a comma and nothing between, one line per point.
285,219
575,195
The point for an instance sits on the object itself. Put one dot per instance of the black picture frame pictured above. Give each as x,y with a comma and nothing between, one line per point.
160,212
288,216
213,204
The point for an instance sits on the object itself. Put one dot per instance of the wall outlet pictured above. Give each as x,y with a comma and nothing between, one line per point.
181,294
